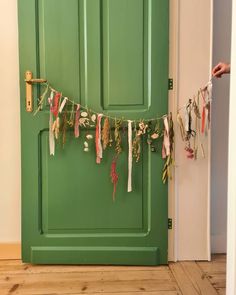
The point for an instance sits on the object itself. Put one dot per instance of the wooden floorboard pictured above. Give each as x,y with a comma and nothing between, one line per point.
182,278
198,280
215,271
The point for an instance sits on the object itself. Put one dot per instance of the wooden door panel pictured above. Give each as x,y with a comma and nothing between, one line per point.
72,183
111,56
122,42
113,43
59,44
126,70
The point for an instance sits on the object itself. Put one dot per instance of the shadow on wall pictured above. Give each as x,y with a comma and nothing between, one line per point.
220,115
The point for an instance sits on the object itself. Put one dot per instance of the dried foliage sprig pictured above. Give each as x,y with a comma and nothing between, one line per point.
114,177
117,134
106,133
64,126
56,127
41,100
169,161
196,108
71,120
137,145
181,126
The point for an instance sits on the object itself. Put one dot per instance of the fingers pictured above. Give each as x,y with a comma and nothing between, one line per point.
220,69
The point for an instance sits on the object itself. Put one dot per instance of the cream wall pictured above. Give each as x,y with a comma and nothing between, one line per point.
9,125
189,190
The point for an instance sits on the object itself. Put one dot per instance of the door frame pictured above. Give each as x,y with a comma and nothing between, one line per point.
173,104
173,186
231,225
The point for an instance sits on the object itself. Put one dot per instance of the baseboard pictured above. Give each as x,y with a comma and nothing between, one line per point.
218,244
10,251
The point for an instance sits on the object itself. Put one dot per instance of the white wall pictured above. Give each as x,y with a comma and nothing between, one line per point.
192,71
231,239
220,115
9,125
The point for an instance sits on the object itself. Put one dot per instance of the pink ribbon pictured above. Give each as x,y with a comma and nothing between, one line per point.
54,108
98,139
77,116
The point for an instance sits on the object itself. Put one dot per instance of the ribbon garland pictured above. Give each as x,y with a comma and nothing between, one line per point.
81,116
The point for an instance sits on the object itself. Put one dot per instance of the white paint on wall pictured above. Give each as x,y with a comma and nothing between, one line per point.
220,119
231,231
9,125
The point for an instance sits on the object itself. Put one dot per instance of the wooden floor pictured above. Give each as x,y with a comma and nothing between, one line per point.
186,278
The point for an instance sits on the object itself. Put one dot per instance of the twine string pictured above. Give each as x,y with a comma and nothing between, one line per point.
49,87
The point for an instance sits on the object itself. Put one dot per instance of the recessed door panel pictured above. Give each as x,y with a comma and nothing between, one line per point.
76,192
58,44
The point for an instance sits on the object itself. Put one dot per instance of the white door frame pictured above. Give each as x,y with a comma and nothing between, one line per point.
176,11
231,231
173,103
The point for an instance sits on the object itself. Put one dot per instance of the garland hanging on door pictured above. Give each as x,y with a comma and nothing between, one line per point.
65,114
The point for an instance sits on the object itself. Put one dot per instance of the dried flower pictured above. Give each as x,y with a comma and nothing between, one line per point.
84,114
114,177
89,136
117,134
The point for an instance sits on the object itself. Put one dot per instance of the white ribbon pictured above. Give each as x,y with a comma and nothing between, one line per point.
63,104
130,159
186,115
100,137
166,140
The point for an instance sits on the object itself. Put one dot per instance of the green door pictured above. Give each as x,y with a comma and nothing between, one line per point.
112,56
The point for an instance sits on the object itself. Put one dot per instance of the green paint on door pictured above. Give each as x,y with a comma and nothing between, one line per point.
110,55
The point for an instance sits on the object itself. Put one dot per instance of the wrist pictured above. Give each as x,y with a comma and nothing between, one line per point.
228,68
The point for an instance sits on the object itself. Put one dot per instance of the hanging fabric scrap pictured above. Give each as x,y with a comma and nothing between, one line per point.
130,157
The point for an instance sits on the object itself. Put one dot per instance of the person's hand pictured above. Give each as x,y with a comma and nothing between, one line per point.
220,69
